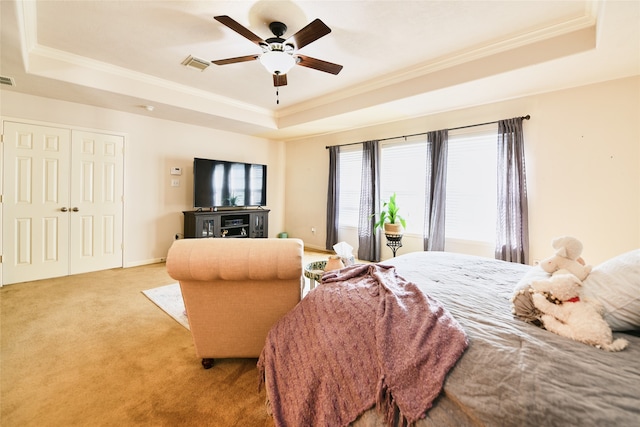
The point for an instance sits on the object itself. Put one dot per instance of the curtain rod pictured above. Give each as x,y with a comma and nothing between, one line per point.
527,117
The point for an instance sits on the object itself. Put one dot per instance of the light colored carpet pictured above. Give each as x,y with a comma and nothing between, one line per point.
169,299
92,350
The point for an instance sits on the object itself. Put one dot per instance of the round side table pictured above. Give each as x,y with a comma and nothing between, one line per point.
314,271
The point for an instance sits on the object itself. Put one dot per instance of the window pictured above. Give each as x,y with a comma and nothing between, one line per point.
350,177
403,171
472,186
471,183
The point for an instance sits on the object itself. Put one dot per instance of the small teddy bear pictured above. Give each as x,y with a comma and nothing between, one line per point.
567,257
571,315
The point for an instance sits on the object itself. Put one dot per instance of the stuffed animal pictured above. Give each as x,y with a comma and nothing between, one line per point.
567,257
571,315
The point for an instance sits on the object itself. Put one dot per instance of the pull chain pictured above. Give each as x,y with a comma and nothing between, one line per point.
277,96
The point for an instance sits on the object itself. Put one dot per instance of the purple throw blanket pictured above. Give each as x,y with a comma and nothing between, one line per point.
364,337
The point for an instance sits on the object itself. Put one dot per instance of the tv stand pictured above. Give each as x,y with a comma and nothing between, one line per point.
235,223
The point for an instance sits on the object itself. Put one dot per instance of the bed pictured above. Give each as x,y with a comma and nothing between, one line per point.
512,373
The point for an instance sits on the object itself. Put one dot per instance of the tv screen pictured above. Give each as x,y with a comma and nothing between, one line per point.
219,183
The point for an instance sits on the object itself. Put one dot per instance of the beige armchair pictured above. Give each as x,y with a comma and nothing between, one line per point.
234,290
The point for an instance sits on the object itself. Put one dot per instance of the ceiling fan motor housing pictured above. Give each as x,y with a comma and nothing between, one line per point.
277,43
278,28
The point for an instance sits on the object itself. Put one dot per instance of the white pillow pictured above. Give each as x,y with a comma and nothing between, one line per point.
616,284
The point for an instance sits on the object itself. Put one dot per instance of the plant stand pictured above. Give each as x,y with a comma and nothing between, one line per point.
394,241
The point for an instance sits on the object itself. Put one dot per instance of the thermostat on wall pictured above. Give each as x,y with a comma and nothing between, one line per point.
176,171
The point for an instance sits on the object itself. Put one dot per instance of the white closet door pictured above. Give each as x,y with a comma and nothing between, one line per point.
96,201
62,206
35,202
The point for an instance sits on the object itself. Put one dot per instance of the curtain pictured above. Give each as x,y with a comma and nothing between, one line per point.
333,197
368,240
512,234
435,205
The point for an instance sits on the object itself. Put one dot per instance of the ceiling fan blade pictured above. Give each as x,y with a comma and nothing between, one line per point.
279,80
312,32
318,64
234,60
238,28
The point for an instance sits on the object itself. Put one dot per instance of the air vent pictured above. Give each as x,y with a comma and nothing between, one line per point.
197,63
7,81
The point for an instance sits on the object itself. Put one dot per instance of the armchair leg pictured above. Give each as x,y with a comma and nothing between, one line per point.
207,363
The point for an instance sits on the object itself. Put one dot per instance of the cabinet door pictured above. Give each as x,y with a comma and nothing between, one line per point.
198,225
259,224
207,226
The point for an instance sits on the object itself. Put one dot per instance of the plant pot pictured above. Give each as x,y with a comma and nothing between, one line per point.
392,228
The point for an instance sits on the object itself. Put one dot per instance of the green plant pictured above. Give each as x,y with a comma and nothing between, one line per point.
389,214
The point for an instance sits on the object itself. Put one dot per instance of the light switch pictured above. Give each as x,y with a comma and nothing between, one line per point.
175,183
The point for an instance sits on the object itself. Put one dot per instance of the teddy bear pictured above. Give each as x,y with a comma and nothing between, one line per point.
570,314
567,257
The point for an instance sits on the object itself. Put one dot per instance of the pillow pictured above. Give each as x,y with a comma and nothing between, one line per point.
522,304
616,285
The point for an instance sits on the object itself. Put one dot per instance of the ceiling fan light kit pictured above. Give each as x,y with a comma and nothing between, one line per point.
278,55
277,62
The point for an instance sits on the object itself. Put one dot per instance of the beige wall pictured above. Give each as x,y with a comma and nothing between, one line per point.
582,159
153,208
583,167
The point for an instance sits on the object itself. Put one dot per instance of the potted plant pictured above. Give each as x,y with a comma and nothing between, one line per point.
388,217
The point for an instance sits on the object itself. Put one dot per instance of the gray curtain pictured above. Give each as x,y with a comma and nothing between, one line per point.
368,241
435,206
512,234
333,197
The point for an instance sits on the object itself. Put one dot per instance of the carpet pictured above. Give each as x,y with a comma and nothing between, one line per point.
169,299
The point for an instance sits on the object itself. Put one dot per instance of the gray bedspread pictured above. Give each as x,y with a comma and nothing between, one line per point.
513,373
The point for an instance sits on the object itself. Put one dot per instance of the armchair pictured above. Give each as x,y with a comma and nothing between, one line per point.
234,290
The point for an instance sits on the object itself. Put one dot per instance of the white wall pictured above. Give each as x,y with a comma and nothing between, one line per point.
153,209
582,160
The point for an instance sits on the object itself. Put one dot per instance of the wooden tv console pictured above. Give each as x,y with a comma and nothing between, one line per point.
239,223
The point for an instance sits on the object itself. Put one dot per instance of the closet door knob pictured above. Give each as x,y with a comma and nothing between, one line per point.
64,209
75,209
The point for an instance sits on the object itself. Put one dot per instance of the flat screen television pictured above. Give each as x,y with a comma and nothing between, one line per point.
220,183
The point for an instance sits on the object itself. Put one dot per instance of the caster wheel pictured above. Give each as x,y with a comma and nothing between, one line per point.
207,363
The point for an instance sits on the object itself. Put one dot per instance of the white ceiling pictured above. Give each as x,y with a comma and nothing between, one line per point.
401,58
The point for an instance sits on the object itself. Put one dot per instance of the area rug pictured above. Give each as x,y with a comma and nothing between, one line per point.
169,299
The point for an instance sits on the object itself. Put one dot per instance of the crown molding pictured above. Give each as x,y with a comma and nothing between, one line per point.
520,40
56,64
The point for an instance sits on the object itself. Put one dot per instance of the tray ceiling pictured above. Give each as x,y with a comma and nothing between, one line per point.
401,58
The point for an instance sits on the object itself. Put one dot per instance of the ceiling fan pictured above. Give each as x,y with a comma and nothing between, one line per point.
280,55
